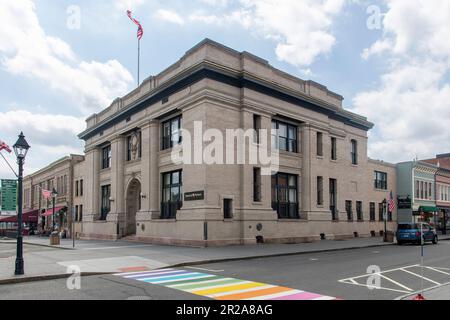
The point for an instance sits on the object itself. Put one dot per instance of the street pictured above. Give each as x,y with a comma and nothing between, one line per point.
323,276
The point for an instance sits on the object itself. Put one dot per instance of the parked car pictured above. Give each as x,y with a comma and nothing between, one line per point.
412,232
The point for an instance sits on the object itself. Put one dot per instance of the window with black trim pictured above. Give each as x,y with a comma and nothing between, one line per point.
256,184
372,211
349,210
257,128
106,157
319,144
227,208
285,195
359,212
354,152
380,180
284,136
106,203
333,149
319,191
171,194
171,133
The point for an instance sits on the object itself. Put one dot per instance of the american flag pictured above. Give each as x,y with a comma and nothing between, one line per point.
140,31
46,194
391,203
4,146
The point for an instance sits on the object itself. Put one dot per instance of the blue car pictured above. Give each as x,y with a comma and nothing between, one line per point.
411,232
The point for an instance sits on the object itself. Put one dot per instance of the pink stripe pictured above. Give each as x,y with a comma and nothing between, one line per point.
299,296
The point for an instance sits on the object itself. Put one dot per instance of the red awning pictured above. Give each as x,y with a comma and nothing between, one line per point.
49,212
27,217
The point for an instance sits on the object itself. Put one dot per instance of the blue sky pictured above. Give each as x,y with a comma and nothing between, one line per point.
63,60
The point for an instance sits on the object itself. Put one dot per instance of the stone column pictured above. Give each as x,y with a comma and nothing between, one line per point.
117,213
306,170
154,177
92,185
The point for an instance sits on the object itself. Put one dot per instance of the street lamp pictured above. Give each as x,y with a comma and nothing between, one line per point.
20,149
54,195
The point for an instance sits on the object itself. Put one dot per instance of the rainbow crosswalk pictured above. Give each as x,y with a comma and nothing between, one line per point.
219,287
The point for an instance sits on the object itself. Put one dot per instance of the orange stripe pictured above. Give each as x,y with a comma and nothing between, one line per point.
254,294
133,269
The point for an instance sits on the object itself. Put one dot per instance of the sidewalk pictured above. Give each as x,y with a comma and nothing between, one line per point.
438,293
42,261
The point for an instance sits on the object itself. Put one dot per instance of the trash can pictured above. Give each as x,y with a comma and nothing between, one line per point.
54,239
390,236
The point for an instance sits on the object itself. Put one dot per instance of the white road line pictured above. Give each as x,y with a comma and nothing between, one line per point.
108,248
175,286
165,277
324,298
380,288
385,271
437,270
148,274
396,283
209,270
140,272
418,275
216,295
191,278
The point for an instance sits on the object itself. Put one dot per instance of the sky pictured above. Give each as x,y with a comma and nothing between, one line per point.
61,61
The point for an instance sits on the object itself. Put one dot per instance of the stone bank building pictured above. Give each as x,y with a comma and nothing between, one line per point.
325,184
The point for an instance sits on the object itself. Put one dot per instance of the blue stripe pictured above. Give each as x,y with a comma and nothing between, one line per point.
157,280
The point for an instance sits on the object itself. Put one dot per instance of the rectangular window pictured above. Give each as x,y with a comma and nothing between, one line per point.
380,180
372,211
359,212
349,210
333,195
320,144
354,152
80,216
421,190
227,208
333,149
106,203
284,195
417,189
81,187
380,212
76,188
319,191
129,146
76,213
106,157
171,133
257,128
171,194
256,184
430,194
284,136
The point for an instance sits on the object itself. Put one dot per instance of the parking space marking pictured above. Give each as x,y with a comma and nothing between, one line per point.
400,286
420,276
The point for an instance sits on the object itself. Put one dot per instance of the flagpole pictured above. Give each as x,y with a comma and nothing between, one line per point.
139,58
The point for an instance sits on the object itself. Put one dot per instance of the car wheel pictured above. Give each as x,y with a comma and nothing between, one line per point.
435,240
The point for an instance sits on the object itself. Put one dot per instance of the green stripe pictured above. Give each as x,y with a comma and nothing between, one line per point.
209,284
171,283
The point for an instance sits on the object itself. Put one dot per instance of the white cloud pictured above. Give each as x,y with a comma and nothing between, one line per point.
169,16
412,102
26,50
124,5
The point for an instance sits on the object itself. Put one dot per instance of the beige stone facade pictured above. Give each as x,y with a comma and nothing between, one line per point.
128,172
58,175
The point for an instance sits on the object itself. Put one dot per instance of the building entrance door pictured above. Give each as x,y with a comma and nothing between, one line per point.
133,205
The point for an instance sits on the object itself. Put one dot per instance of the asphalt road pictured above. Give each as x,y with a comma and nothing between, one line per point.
340,274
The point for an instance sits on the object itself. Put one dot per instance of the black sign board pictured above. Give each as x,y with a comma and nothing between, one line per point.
194,196
404,202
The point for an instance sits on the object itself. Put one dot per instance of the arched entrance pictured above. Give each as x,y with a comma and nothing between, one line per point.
133,205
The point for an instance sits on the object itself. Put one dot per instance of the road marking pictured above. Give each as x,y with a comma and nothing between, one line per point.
396,283
118,247
314,259
420,276
437,270
380,288
219,287
209,270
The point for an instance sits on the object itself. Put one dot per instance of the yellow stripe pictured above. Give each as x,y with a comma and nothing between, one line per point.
228,288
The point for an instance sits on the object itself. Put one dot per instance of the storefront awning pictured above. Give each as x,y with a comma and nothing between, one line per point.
49,212
27,217
428,209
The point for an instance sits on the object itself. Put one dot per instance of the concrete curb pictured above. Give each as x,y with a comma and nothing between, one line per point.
410,295
39,245
21,279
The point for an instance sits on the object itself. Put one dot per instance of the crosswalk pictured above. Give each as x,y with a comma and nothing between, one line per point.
219,287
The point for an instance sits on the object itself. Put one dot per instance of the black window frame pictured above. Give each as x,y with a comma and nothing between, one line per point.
286,209
257,185
359,211
106,157
105,201
372,211
354,152
349,209
257,128
319,144
169,207
320,199
381,211
227,208
380,180
291,142
167,138
333,199
333,148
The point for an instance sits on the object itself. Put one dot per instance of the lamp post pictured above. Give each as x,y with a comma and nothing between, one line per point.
54,195
20,149
385,219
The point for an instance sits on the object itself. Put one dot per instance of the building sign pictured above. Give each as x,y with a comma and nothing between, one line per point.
404,203
9,195
194,196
